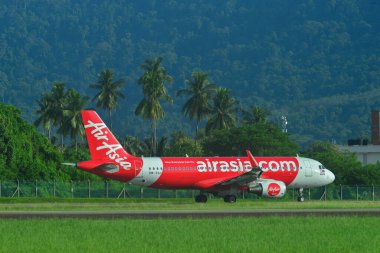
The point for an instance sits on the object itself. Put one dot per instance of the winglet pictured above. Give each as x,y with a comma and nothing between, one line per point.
252,160
255,165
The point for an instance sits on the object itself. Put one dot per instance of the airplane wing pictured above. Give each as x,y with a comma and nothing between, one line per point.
104,165
242,179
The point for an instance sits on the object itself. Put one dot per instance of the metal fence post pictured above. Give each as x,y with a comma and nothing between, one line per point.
373,192
141,192
54,188
325,192
72,189
89,188
107,189
357,192
341,192
36,188
309,193
243,194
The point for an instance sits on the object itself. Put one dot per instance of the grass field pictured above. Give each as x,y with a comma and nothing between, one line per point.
270,234
38,204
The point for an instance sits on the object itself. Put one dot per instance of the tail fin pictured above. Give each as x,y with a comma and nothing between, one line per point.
102,143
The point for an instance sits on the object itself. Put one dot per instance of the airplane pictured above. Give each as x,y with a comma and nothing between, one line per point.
226,177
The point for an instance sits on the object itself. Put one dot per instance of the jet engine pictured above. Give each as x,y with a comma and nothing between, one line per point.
268,188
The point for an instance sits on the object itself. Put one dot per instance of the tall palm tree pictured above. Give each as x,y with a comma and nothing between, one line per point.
44,112
109,91
153,85
200,91
255,115
51,108
57,101
72,124
223,113
134,146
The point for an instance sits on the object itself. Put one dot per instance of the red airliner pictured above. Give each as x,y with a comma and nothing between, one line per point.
222,176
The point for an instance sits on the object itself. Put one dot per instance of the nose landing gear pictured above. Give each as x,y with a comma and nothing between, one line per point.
300,195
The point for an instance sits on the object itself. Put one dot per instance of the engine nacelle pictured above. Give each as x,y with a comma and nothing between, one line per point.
268,189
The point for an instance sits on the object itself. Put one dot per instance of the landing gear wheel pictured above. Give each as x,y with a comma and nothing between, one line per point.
300,195
230,198
301,199
201,198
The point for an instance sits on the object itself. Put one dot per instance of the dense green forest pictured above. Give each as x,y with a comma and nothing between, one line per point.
315,61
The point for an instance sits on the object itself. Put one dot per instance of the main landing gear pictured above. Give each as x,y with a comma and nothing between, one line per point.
230,198
300,195
201,198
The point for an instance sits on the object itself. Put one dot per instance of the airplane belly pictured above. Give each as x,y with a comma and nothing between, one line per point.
173,182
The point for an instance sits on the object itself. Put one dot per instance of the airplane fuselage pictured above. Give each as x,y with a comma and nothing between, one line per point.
186,172
223,176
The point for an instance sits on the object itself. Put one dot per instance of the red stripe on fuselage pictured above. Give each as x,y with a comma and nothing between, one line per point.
182,172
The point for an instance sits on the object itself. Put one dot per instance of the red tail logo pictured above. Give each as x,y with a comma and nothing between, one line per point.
103,145
273,189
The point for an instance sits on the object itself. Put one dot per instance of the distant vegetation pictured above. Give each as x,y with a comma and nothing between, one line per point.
24,152
314,61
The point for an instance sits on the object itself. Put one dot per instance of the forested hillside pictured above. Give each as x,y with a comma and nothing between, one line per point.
315,61
25,153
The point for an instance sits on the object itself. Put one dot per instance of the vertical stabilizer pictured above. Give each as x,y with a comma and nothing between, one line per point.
102,143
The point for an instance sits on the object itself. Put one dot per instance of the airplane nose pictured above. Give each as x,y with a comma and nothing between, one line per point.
331,176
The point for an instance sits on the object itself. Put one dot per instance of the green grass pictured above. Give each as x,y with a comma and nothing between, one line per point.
270,234
38,204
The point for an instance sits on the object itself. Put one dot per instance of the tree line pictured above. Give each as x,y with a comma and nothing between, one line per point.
27,154
60,108
228,129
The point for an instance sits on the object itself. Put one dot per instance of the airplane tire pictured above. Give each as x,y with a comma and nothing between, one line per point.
301,199
201,198
230,198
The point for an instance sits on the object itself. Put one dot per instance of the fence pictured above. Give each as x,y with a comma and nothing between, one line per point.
114,189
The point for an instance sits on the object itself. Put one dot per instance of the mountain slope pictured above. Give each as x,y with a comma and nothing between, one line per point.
289,56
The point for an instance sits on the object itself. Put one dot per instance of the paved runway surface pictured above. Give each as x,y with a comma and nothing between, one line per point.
168,214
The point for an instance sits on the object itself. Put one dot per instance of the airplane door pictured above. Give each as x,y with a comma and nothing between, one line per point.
308,169
138,167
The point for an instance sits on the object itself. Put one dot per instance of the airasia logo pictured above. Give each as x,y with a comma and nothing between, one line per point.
273,189
109,149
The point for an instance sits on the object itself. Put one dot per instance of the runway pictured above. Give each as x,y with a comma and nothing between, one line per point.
195,214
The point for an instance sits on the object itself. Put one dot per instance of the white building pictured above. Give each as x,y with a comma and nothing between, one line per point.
367,154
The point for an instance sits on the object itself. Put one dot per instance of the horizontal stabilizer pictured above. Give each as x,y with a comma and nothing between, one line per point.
70,164
110,167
